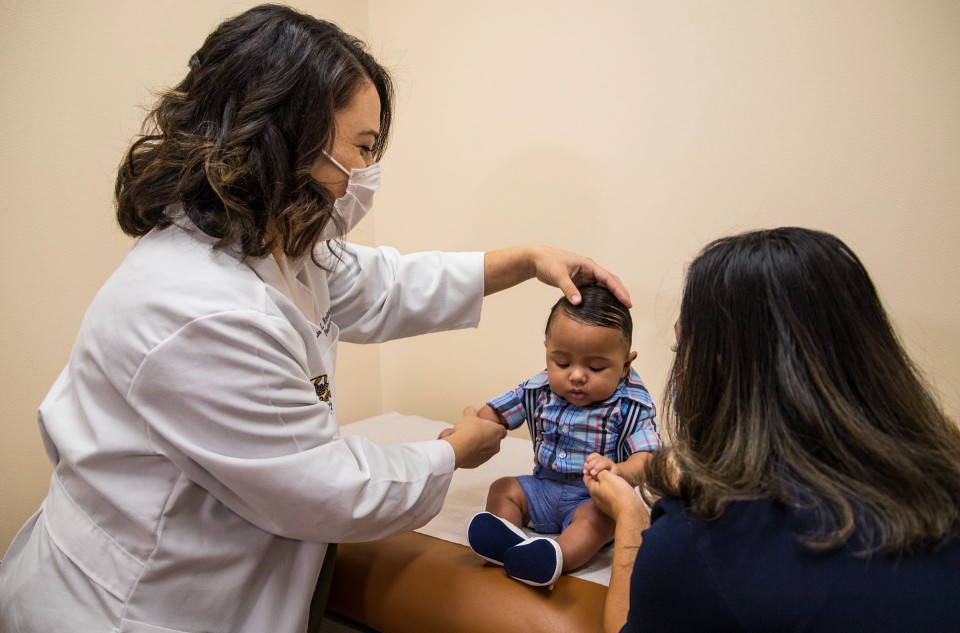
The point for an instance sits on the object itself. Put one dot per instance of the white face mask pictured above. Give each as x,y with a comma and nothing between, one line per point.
353,205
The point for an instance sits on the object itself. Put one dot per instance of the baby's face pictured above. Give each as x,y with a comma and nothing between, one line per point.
584,362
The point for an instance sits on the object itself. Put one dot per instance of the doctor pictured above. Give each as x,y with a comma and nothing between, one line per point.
198,468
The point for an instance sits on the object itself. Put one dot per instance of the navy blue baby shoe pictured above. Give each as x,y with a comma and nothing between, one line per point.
537,561
490,536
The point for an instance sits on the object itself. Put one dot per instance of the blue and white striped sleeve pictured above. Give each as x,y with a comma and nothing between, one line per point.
510,407
639,432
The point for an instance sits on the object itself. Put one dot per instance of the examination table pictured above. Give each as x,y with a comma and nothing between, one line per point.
429,581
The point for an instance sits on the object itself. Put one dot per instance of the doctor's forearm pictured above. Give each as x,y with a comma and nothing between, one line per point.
507,267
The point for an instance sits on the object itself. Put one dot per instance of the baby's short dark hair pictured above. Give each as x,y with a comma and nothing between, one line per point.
599,307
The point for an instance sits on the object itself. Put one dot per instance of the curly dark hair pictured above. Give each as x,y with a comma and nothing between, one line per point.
598,307
790,384
235,141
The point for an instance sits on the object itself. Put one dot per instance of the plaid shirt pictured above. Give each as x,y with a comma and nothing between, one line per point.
564,434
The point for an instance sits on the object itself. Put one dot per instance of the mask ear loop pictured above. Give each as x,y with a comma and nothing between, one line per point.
334,161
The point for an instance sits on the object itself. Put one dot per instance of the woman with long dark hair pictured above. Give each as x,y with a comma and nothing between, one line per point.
199,473
812,482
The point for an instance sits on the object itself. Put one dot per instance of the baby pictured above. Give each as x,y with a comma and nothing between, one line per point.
587,412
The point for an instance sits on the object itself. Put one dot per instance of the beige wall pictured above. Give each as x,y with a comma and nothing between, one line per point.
638,130
631,130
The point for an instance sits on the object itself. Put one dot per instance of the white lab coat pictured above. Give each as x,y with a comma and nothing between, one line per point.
199,473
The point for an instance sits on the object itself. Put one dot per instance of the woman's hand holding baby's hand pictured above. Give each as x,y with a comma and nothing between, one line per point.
613,495
596,462
474,440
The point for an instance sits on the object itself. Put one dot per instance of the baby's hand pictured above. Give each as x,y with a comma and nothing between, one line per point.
596,463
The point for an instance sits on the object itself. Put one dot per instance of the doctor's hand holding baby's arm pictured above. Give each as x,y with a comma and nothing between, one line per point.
489,413
474,440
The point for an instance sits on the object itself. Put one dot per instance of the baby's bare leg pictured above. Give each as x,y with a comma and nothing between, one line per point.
507,500
589,530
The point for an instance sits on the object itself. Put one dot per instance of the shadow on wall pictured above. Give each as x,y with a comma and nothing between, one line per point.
544,195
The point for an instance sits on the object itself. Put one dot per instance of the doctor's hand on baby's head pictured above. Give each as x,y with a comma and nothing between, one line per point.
474,440
567,271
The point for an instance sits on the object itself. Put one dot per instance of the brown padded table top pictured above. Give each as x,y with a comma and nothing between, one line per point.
413,583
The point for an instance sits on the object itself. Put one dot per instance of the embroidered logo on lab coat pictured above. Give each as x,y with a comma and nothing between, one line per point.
322,386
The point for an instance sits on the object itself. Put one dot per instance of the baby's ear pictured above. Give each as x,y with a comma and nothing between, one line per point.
632,356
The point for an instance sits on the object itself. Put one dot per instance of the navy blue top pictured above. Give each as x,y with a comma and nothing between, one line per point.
746,571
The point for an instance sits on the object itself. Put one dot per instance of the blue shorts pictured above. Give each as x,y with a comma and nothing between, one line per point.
550,503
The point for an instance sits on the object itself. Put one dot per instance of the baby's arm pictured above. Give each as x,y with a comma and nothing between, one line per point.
630,469
489,413
486,412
